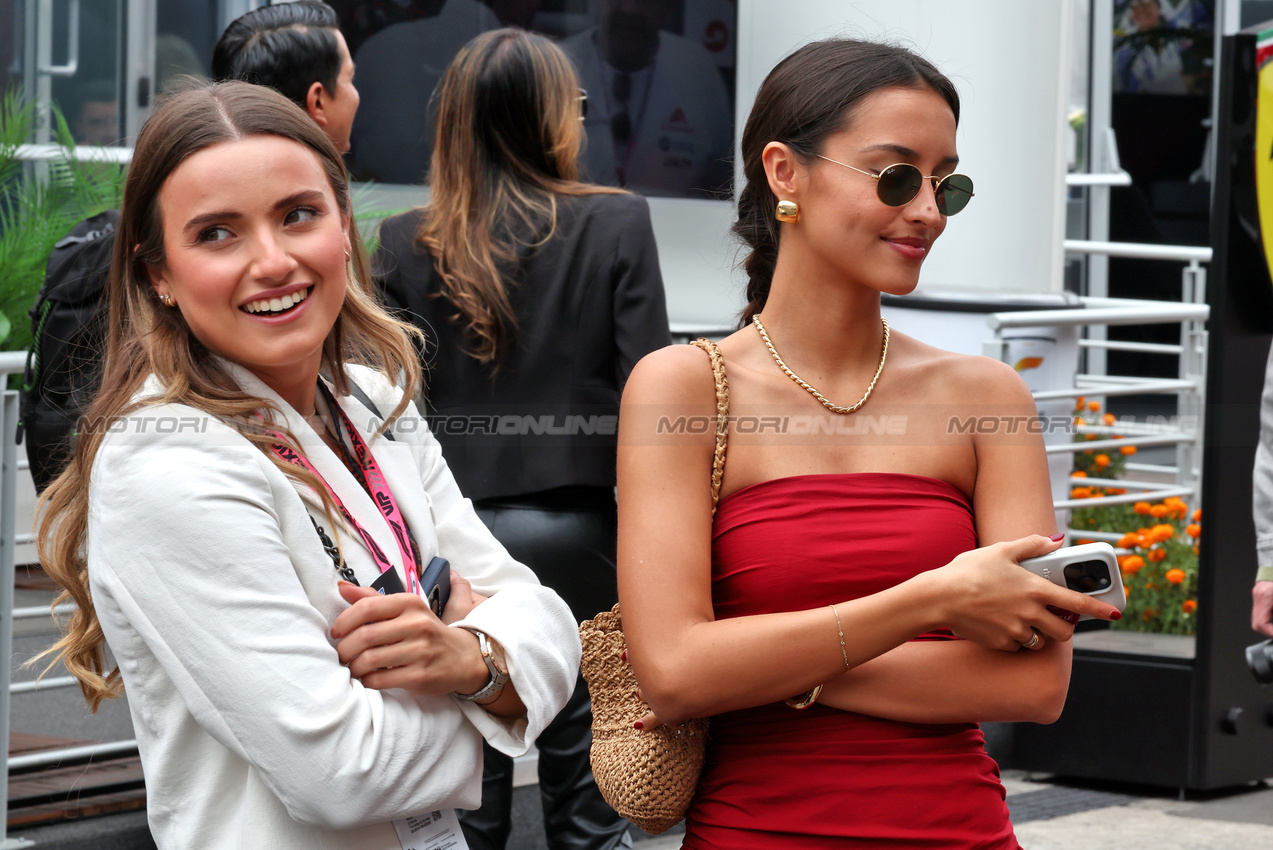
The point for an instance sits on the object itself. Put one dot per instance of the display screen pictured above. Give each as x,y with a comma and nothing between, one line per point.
659,77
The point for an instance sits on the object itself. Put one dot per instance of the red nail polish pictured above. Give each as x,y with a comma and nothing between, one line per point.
1058,537
623,656
638,725
1116,616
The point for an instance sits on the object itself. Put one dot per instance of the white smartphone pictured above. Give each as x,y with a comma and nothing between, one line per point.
1091,569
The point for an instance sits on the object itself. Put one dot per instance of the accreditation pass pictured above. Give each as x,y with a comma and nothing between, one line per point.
431,831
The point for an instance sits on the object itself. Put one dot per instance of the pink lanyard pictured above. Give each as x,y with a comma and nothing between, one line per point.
378,490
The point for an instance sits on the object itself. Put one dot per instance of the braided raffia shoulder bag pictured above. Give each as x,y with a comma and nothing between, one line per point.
647,776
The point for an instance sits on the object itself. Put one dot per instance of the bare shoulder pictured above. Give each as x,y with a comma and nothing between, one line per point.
966,378
675,374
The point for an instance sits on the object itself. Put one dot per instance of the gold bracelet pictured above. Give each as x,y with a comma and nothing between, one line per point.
803,701
844,653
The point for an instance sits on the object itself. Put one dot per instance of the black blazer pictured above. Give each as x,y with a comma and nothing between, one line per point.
589,305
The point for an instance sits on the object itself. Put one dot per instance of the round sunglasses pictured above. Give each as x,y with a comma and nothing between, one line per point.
898,185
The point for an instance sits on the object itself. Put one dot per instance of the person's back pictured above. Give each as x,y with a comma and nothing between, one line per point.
589,304
536,307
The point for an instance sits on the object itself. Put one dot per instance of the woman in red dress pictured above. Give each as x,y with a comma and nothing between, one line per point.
844,549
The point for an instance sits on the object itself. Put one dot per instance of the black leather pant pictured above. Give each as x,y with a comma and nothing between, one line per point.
567,536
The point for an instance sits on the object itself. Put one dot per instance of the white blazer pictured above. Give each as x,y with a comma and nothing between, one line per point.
217,599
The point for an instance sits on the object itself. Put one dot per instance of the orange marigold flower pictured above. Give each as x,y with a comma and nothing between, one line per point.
1093,406
1078,473
1127,450
1082,540
1175,576
1173,500
1156,555
1163,530
1158,511
1189,606
1193,530
1079,403
1079,420
1081,493
1150,614
1197,515
1092,437
1102,461
1129,540
1131,564
1109,419
1141,508
1197,551
1117,491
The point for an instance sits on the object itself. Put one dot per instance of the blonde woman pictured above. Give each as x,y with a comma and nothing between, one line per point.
537,295
230,507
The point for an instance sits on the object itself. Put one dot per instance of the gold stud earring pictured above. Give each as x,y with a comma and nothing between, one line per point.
165,299
787,211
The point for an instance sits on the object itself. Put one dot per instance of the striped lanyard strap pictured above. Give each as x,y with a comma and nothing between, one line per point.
368,472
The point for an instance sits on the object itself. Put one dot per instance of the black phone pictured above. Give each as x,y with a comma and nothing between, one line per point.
436,581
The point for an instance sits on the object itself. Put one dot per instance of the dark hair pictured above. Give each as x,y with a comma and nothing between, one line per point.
507,144
288,47
807,97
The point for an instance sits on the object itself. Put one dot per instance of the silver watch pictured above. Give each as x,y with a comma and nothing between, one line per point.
493,655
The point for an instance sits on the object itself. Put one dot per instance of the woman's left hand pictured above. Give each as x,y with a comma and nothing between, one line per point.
395,641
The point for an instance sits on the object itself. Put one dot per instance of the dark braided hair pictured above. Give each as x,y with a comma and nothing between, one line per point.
807,97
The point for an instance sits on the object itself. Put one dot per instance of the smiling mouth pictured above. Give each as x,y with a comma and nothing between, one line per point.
277,306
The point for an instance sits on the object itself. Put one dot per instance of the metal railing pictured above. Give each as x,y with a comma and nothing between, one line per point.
1186,434
12,463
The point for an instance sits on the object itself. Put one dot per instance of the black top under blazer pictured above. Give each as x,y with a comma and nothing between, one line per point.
589,305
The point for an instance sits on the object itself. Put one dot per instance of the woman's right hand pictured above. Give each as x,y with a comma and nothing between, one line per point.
988,598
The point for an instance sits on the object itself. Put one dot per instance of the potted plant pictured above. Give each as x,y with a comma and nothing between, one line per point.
38,205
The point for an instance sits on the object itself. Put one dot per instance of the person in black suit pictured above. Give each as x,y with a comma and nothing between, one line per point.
537,294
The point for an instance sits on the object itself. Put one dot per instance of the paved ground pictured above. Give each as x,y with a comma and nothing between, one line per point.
1047,812
1052,815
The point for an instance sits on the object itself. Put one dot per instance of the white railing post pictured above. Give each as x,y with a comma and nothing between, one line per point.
8,489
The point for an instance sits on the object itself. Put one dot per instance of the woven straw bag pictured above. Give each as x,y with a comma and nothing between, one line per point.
647,776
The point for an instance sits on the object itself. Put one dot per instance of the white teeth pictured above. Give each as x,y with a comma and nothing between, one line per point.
276,305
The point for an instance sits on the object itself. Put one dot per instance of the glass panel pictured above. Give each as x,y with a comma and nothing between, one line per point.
659,76
91,97
10,44
186,32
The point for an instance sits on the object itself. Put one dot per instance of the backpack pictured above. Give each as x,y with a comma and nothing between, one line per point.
68,338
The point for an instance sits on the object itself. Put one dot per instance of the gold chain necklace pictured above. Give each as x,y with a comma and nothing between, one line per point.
834,408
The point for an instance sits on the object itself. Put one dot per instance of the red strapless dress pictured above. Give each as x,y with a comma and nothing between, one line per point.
780,778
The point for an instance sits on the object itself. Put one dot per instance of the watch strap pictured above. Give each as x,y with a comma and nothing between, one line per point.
498,679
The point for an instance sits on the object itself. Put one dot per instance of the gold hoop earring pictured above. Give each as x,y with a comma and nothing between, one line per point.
347,257
788,211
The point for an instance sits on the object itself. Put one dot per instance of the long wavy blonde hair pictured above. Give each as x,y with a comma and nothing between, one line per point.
145,338
508,143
